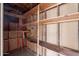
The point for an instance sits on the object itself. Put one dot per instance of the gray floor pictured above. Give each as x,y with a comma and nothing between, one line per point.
21,52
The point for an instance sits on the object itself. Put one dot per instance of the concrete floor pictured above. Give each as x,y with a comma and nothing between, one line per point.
21,52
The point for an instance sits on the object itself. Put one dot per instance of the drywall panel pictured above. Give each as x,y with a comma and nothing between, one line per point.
33,47
44,15
41,38
68,8
40,32
31,19
12,34
52,33
5,49
69,35
52,13
13,26
40,16
40,50
13,44
35,17
20,42
44,32
33,31
51,53
5,35
29,44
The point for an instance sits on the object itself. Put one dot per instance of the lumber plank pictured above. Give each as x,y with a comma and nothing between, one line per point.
56,48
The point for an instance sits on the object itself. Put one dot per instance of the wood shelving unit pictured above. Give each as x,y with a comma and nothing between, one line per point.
59,19
53,47
40,8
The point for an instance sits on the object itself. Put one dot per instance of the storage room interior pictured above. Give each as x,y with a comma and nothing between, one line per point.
41,29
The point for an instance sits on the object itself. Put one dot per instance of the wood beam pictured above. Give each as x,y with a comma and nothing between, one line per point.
46,6
59,19
43,7
56,48
32,11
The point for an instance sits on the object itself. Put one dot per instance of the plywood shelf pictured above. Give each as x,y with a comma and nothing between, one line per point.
59,19
53,47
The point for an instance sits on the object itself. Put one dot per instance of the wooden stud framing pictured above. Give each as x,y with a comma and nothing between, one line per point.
38,31
53,47
58,8
78,28
58,20
45,33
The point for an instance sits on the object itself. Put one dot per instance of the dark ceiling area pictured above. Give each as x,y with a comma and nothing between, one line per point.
18,8
15,8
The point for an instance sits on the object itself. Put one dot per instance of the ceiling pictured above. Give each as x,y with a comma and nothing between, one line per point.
18,8
15,8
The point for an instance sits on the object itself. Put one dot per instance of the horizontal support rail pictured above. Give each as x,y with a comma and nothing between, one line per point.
53,47
59,19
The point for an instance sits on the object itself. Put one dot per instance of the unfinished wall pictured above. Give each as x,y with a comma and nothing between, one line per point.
68,8
5,38
56,34
52,34
5,33
69,35
12,38
13,44
52,31
32,32
5,48
59,34
52,13
68,31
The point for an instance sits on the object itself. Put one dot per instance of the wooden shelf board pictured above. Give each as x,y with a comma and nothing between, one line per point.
53,47
59,19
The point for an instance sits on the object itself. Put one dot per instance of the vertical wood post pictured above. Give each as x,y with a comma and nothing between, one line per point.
38,31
